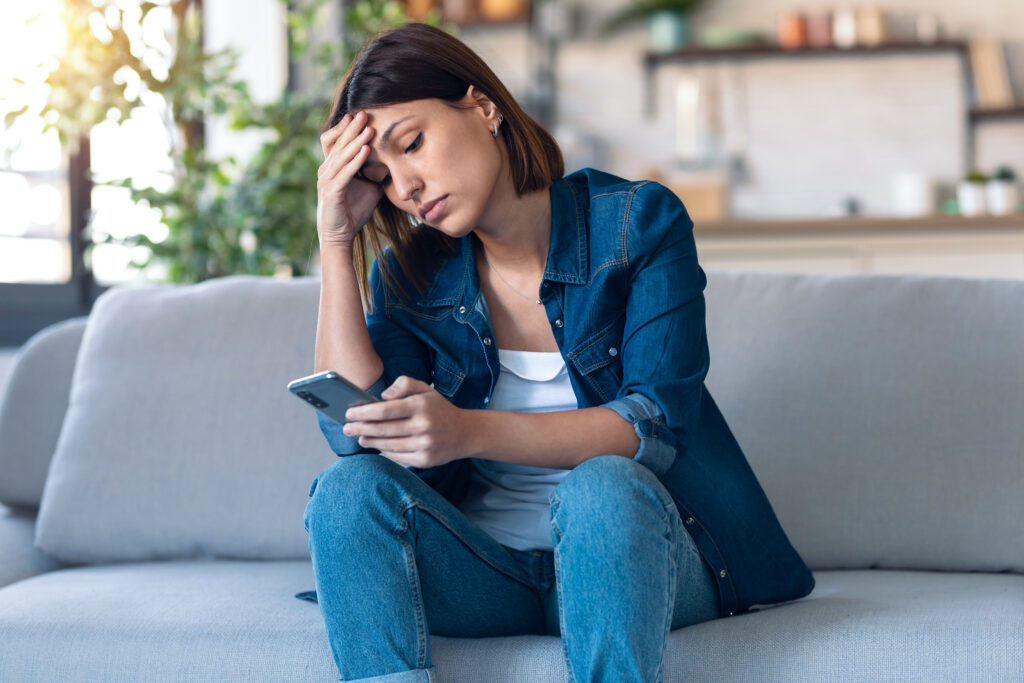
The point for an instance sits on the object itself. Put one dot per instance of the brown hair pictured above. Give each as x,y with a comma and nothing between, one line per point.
418,61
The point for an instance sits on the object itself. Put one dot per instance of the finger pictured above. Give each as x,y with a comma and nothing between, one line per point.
348,170
329,137
343,153
391,428
396,445
380,411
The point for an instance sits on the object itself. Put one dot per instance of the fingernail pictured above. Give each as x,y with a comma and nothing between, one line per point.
347,429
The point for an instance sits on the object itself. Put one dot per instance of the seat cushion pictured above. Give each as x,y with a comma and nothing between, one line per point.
234,621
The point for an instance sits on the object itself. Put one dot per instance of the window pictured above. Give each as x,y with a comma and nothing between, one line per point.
46,272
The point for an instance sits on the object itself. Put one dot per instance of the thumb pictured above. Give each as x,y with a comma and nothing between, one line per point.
404,386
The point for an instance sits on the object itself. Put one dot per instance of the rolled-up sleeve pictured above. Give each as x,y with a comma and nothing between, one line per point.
665,348
401,352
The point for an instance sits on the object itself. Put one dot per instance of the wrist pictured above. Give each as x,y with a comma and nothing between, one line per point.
475,433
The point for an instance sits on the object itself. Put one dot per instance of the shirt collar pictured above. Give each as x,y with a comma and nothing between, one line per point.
457,281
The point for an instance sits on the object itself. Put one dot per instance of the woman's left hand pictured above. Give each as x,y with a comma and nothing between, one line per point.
414,425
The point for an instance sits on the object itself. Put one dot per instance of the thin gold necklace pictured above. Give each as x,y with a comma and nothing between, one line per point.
528,298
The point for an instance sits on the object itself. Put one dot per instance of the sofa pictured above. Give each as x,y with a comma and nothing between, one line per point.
154,472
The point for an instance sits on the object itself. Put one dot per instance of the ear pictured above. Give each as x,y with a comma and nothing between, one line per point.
487,107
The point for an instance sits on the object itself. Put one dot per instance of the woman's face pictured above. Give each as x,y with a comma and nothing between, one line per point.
426,150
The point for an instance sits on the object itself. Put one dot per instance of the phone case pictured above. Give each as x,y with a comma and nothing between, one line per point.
330,393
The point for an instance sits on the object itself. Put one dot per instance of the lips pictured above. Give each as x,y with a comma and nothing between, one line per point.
426,209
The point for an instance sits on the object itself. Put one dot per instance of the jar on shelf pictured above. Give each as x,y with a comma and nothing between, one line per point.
792,31
844,28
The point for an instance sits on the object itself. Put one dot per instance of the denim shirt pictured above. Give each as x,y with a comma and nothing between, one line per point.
624,295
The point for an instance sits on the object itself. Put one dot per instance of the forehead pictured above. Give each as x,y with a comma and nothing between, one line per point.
388,119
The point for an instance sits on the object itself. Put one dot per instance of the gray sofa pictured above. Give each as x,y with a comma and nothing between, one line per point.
155,471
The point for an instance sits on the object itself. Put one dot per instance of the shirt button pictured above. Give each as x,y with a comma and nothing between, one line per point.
462,309
487,399
722,573
613,351
689,520
558,323
487,341
731,613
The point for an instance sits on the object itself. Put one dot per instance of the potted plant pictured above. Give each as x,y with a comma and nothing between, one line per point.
668,22
970,193
1002,192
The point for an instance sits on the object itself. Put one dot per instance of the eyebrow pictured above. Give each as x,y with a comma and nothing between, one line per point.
385,137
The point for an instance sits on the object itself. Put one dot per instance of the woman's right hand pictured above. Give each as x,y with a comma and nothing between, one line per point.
345,202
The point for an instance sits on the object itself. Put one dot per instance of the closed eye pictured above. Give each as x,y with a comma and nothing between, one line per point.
414,145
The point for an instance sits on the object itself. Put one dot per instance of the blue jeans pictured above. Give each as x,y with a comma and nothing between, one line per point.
395,561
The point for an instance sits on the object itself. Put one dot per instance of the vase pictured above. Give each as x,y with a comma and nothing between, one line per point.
971,198
1002,197
669,30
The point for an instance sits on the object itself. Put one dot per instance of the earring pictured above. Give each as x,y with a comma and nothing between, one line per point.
494,133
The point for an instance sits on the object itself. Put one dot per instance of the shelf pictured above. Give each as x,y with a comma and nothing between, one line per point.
978,115
703,54
697,54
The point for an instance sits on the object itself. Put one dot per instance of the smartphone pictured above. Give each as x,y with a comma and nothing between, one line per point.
330,393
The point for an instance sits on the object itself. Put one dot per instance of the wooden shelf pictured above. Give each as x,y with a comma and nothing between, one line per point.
700,53
977,115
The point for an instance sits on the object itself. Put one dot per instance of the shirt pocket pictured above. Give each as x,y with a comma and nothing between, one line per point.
446,377
599,359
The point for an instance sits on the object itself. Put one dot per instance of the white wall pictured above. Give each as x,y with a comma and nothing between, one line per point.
816,130
256,29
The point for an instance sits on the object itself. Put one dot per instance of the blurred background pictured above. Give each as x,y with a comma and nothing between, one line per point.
177,141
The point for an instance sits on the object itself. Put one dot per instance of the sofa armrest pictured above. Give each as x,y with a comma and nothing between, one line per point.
20,558
33,400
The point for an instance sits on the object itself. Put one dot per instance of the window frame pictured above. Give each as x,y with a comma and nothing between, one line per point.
26,308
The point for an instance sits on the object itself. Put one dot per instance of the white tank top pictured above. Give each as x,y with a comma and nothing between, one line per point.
510,502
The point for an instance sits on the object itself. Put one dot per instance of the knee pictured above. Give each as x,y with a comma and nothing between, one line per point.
343,490
610,487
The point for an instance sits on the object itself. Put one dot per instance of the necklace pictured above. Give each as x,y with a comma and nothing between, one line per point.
528,298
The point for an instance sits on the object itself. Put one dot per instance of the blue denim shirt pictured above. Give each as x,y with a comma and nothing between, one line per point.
624,295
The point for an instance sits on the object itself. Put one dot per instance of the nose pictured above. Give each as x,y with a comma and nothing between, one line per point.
406,186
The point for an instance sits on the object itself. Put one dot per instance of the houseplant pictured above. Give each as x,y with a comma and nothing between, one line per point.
222,216
1002,194
668,22
970,193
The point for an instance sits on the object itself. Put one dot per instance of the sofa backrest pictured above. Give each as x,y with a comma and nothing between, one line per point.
881,413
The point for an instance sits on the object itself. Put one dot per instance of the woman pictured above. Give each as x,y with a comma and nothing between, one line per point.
546,458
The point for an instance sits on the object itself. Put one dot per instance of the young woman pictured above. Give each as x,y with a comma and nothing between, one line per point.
546,458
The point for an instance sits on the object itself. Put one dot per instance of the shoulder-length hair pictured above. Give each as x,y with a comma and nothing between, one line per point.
418,61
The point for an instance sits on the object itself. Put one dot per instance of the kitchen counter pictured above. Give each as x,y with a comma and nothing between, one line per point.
991,246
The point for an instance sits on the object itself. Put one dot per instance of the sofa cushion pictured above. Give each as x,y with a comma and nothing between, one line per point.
19,559
181,439
235,621
33,401
881,414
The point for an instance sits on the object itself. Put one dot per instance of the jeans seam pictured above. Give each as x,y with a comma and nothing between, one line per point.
422,637
558,590
673,571
412,501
